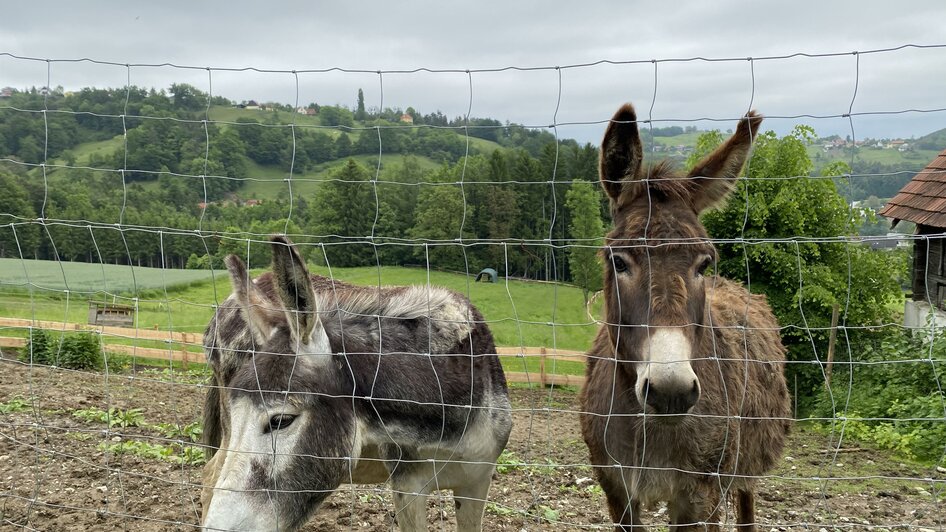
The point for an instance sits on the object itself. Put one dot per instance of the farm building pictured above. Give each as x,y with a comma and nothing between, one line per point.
923,202
110,314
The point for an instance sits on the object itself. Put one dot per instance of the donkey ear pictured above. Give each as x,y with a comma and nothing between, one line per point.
621,152
713,178
261,313
294,289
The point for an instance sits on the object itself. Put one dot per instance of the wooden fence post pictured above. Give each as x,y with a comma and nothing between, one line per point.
542,367
831,340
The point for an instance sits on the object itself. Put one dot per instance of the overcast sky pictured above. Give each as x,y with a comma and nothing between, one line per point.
488,34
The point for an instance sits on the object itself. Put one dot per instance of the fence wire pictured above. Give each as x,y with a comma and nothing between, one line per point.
109,436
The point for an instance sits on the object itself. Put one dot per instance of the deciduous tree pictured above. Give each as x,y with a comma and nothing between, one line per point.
586,231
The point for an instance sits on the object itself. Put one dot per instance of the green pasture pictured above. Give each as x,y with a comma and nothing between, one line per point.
520,313
269,182
686,139
914,159
104,148
222,113
80,278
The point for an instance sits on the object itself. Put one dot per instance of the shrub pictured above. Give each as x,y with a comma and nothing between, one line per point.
892,396
81,351
37,350
75,351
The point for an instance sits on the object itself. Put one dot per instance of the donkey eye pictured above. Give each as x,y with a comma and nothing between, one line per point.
704,266
619,265
279,421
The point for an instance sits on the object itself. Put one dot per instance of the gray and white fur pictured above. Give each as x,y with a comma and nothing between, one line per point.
319,383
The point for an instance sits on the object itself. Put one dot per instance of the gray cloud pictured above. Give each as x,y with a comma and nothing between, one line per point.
491,34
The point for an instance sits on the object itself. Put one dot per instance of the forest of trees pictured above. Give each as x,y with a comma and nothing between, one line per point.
156,199
168,194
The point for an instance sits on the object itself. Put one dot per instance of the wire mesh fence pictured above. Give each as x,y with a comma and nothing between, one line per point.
333,401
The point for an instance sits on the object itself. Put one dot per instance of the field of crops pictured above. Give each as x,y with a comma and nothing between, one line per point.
520,313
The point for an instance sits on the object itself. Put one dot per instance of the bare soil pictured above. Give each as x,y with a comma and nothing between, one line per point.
56,475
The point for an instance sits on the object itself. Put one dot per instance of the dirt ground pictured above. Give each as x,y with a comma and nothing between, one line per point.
56,475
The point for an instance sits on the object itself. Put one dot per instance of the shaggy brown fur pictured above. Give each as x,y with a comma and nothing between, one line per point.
717,447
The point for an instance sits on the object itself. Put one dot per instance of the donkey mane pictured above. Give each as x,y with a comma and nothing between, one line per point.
450,317
342,305
404,302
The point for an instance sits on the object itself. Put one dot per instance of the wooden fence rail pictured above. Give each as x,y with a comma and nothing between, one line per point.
130,333
179,344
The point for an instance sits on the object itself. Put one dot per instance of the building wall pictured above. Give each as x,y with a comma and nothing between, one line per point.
917,313
929,267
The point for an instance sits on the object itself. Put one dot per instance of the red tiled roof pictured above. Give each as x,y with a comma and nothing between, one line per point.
923,199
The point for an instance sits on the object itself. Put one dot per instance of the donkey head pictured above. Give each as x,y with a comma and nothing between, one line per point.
289,434
656,256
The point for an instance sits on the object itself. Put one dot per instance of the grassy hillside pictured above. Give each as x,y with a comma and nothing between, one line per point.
914,159
520,313
220,113
685,139
935,140
269,182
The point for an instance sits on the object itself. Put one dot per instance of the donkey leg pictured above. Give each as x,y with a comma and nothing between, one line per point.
470,497
411,481
745,511
689,513
410,501
625,511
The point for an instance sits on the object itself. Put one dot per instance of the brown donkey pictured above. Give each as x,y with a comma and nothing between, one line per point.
685,400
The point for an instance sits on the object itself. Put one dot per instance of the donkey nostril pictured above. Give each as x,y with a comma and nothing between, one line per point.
651,396
693,395
649,389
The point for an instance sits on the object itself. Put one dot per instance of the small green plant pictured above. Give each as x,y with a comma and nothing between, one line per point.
80,436
189,432
548,513
142,449
17,404
198,375
548,468
189,455
91,415
126,418
113,417
507,462
497,509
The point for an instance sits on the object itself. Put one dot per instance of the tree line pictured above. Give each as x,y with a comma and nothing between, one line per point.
529,208
174,171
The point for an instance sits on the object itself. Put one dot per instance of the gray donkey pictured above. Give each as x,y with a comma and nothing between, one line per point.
685,399
319,383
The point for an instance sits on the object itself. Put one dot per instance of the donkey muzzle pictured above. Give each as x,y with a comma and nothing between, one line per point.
667,384
670,398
